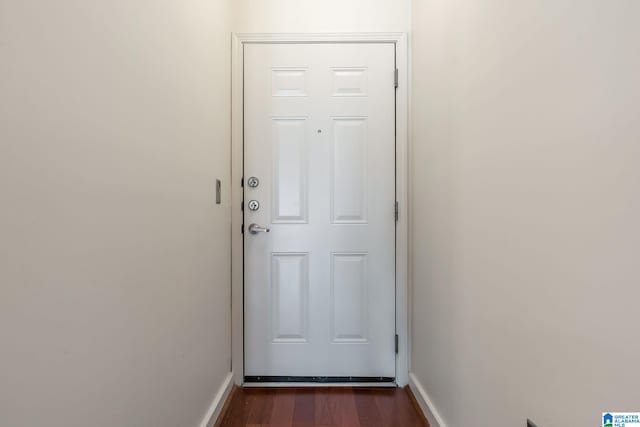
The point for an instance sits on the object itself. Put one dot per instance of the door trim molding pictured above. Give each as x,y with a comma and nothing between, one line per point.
402,184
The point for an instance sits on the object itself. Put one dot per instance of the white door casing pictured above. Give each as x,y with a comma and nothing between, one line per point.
319,134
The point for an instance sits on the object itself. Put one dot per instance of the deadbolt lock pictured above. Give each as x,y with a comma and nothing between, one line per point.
253,182
254,205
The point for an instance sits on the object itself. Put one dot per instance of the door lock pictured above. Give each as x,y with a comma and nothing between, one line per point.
253,182
254,205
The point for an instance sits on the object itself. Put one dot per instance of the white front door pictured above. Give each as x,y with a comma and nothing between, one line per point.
319,173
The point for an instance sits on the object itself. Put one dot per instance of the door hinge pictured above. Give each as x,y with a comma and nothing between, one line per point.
242,229
397,211
242,206
242,182
395,78
397,343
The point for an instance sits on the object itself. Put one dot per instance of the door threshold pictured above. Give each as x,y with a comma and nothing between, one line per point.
318,385
315,379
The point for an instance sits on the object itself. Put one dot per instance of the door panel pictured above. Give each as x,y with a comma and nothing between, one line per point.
349,302
319,126
289,194
290,297
349,170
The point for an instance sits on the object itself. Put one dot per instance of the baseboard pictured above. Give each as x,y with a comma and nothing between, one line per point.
425,403
219,400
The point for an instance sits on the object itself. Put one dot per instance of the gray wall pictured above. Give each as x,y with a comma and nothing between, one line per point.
114,259
526,166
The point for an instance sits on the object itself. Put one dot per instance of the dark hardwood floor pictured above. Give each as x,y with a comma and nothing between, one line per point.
326,407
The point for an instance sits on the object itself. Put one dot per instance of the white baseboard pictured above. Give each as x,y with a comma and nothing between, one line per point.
218,402
429,410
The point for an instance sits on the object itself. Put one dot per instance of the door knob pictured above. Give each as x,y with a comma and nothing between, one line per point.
255,229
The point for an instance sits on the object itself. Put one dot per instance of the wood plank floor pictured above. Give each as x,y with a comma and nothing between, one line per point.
326,407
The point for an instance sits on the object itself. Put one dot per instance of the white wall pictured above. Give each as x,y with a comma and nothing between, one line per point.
114,259
526,204
303,16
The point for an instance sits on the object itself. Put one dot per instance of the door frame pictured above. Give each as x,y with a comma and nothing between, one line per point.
400,40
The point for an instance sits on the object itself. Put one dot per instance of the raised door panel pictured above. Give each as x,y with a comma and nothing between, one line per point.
349,299
349,170
289,297
350,81
290,169
288,81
